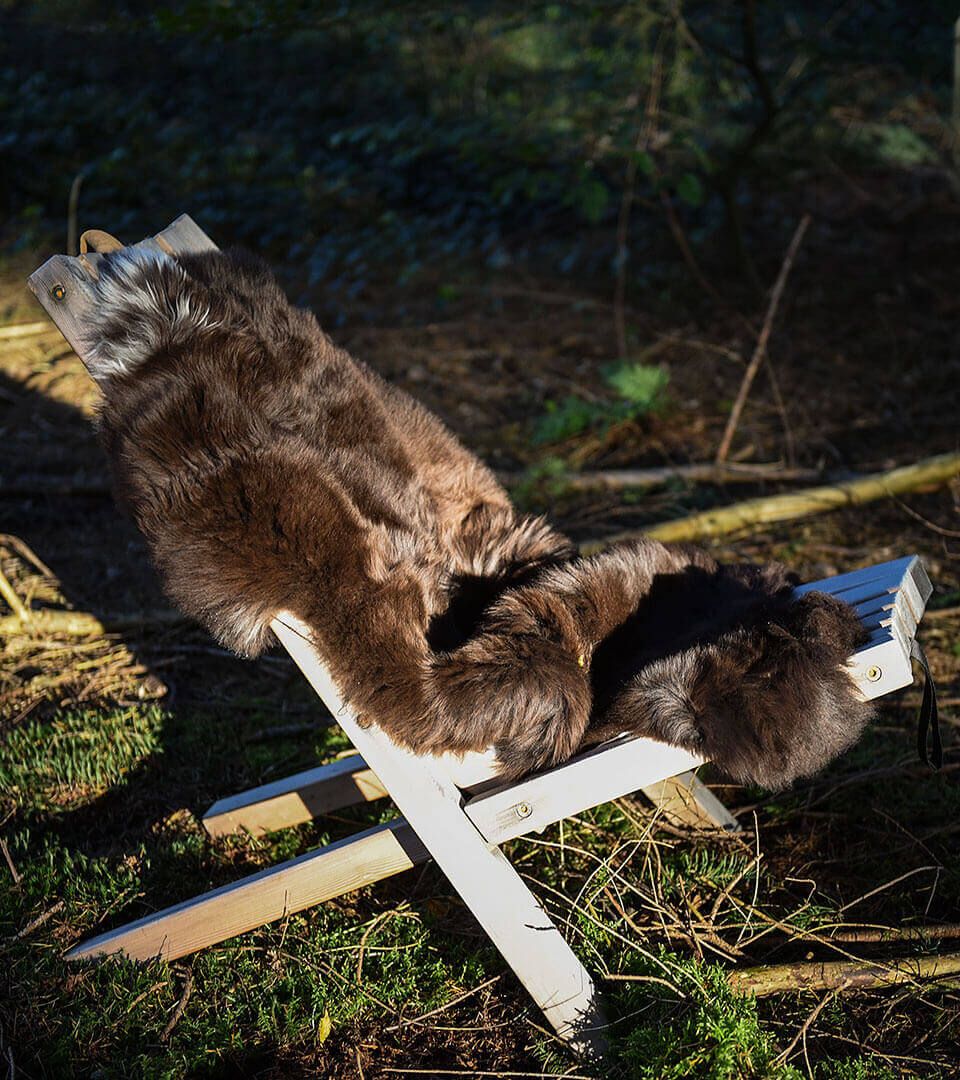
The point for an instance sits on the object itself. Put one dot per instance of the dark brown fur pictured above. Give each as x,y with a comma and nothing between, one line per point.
271,471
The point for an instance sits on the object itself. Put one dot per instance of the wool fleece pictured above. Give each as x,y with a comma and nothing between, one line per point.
271,471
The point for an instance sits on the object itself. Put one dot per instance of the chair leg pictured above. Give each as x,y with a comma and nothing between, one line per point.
685,800
512,917
296,799
264,897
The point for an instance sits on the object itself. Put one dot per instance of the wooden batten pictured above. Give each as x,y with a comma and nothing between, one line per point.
264,897
296,799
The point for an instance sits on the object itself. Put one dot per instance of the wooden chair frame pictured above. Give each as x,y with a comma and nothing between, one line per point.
452,809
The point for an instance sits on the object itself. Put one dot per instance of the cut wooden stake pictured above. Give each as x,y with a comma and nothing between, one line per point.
761,347
814,975
929,473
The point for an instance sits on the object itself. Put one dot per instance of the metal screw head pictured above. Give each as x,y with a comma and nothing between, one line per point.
58,291
524,809
874,673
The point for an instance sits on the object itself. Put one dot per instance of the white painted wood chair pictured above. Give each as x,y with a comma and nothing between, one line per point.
453,809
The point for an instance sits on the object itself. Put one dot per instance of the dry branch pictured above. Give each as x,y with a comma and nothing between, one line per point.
82,623
706,471
9,594
799,504
18,330
761,347
828,975
877,934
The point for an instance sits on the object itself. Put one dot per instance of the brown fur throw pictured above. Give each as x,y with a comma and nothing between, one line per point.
271,471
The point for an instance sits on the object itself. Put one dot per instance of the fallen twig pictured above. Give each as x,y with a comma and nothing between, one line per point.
761,347
37,922
9,594
7,856
30,329
832,974
82,623
180,1006
871,935
27,552
799,504
443,1008
618,479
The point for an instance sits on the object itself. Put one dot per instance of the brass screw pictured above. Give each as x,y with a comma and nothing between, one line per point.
524,810
58,291
874,673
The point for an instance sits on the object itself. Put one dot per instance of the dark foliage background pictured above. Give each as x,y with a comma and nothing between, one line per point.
365,141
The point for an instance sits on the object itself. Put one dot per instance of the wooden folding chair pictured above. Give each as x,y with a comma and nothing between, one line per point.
453,809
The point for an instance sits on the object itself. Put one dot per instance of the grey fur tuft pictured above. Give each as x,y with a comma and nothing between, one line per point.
147,304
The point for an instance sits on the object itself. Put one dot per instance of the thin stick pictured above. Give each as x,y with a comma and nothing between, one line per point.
706,471
877,935
956,95
443,1008
181,1005
798,504
802,1033
16,604
886,885
6,855
28,329
761,346
818,975
475,1072
82,623
28,553
626,203
34,924
73,206
942,613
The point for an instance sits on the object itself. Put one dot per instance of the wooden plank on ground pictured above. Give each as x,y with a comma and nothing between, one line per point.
264,897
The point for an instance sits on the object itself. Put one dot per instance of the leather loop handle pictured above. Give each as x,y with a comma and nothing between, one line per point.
98,241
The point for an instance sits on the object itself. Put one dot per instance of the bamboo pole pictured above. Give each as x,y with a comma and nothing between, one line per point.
828,975
799,504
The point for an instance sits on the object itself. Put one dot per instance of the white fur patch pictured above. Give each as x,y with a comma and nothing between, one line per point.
145,303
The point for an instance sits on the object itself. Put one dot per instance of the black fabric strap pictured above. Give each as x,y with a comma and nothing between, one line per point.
929,716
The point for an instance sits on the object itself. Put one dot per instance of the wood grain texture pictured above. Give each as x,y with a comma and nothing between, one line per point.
686,801
593,777
514,920
298,798
261,898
